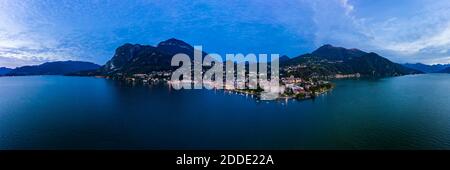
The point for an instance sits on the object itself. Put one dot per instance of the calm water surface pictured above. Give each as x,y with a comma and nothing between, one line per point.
57,112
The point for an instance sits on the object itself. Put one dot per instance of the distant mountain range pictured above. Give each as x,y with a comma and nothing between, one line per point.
325,61
4,70
446,70
437,68
329,60
53,68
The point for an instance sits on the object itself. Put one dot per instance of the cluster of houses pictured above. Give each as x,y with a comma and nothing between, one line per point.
292,84
293,68
296,85
341,76
153,77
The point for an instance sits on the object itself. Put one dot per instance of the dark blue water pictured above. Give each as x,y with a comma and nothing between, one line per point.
57,112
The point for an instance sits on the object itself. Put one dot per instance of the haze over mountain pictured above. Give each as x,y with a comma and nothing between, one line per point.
427,68
54,68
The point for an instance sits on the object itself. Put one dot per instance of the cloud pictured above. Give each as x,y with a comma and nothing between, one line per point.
347,6
420,36
417,31
62,30
20,40
11,62
439,42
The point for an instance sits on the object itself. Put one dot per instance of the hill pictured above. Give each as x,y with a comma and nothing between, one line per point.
427,68
4,70
54,68
329,61
136,58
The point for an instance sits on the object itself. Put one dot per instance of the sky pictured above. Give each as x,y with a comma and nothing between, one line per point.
37,31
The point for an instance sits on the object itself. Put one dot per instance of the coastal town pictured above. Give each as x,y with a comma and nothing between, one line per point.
289,87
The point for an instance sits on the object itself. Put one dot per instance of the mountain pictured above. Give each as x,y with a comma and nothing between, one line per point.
4,70
54,68
284,58
427,68
174,46
328,61
337,53
136,58
375,65
446,70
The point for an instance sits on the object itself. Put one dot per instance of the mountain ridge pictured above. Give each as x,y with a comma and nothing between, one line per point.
137,58
446,70
53,68
331,52
325,61
427,68
328,61
4,70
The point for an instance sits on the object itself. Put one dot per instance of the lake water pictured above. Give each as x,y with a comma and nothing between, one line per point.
57,112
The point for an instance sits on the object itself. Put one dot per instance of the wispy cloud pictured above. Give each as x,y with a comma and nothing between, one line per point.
347,6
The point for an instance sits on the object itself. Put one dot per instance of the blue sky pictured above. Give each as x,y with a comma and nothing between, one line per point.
36,31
